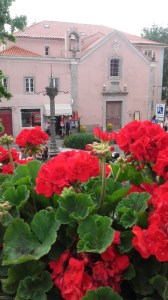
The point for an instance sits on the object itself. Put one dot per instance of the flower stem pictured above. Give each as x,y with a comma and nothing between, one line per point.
118,174
103,173
10,157
34,155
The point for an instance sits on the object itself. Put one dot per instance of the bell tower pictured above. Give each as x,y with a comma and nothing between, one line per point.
73,42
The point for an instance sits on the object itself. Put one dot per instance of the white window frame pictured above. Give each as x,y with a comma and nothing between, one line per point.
47,50
119,68
29,85
55,81
150,54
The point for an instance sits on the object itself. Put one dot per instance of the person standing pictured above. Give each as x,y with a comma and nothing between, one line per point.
153,119
67,127
47,127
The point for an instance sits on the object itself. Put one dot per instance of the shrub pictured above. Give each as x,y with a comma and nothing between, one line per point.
82,128
79,140
109,126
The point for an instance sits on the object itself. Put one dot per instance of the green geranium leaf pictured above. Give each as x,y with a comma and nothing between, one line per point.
44,226
128,218
8,218
74,206
95,234
5,186
35,288
19,272
144,272
126,241
19,243
129,273
4,177
112,186
41,200
135,201
16,196
30,171
112,200
118,194
129,208
160,283
102,293
24,243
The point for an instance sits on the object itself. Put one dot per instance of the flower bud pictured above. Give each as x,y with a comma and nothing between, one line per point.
6,139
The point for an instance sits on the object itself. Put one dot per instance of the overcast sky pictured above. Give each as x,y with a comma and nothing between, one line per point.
130,16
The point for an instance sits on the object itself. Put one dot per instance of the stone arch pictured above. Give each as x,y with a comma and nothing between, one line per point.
74,41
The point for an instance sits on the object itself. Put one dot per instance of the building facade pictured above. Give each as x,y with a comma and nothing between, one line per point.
103,75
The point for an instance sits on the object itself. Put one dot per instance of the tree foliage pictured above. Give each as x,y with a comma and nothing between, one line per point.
160,34
7,24
7,28
3,91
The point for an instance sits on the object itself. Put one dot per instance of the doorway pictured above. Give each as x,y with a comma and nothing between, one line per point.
6,119
113,113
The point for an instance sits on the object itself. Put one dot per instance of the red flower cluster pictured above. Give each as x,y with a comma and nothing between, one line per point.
64,170
143,139
6,167
4,156
103,135
34,136
161,165
75,274
154,239
104,148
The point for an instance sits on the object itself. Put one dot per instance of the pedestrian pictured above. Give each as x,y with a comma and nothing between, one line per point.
67,127
153,119
45,154
165,126
47,127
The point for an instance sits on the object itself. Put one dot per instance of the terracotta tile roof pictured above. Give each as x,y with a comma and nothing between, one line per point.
139,40
57,30
16,51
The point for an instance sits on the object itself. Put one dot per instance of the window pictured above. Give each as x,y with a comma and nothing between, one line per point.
29,85
5,82
47,48
150,54
115,68
55,81
30,117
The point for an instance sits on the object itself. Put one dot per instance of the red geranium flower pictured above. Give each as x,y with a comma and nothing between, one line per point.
7,169
65,169
141,241
103,135
161,165
143,140
34,136
3,154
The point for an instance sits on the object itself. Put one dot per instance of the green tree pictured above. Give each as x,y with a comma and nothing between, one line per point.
7,28
3,91
160,34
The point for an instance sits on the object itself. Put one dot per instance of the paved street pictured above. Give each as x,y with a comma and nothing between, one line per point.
61,147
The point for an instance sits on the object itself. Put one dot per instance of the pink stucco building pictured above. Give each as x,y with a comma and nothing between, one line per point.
103,75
